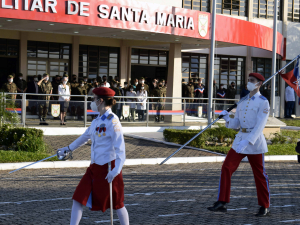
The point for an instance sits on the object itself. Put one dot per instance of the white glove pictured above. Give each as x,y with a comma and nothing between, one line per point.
225,115
111,175
242,146
62,153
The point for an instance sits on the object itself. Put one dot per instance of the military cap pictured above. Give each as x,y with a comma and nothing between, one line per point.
257,76
162,80
65,75
114,81
10,76
104,91
45,74
142,78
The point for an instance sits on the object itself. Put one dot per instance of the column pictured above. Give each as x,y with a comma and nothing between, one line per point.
23,54
125,64
75,55
249,65
174,82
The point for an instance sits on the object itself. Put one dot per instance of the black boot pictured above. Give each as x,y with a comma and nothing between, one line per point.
263,212
218,207
41,121
44,122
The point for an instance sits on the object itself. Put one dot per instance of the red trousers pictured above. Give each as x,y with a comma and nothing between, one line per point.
257,163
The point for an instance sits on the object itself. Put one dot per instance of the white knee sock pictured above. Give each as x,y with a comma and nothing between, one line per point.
123,216
76,213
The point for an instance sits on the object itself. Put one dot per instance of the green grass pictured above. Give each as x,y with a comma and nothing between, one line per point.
291,122
21,156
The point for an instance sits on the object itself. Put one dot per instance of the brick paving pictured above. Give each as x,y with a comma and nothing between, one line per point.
167,194
135,148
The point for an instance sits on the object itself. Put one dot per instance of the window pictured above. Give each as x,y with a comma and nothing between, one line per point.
200,5
194,66
264,67
293,10
98,61
149,57
265,9
229,69
9,47
232,7
48,50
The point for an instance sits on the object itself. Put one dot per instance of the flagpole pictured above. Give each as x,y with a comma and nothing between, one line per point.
211,63
273,82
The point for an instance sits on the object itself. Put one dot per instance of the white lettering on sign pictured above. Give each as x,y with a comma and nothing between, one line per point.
135,14
73,8
115,13
50,4
179,21
191,24
124,14
36,4
144,17
83,11
4,6
104,14
171,20
25,4
161,19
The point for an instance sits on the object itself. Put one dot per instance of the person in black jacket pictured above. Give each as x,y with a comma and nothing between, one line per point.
34,89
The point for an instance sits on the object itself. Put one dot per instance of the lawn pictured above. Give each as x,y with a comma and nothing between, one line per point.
291,122
22,156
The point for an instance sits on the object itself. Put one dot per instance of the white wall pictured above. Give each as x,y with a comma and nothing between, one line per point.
293,40
176,3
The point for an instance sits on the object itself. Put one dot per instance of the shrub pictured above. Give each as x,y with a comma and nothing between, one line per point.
220,134
7,118
22,139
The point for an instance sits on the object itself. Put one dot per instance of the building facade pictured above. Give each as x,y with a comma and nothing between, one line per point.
146,38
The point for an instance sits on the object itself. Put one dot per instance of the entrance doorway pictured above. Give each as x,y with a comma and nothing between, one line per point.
148,72
7,67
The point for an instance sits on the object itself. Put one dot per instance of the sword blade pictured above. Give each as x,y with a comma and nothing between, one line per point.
111,198
33,163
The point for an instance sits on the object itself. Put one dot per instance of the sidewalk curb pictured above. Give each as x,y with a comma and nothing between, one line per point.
135,162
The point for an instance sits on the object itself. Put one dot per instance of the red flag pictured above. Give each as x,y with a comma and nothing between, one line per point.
292,81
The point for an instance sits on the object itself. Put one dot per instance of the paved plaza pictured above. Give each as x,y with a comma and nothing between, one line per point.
167,194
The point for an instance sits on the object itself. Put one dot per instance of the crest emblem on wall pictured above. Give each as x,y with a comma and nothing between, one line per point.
203,24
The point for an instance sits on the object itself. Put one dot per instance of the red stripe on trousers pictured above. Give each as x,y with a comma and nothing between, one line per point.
231,164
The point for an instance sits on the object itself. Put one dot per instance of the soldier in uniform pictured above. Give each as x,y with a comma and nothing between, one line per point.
251,117
87,85
221,93
10,87
231,92
80,90
190,94
159,92
21,85
45,87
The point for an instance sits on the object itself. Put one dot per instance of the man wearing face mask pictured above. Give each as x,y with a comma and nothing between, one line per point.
231,92
135,84
80,90
87,85
131,103
21,85
74,85
251,117
142,81
221,93
159,105
10,87
45,87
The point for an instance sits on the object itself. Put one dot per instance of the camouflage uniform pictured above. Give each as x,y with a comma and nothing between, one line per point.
10,88
190,94
73,104
159,92
44,88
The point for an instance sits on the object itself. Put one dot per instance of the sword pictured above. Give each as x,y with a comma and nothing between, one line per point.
67,155
111,198
33,163
228,110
